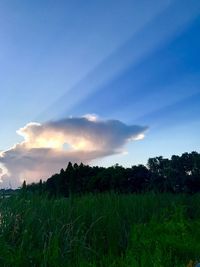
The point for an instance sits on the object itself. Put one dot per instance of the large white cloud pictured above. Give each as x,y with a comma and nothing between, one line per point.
48,147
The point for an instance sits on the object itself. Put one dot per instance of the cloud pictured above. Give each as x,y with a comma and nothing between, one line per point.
43,150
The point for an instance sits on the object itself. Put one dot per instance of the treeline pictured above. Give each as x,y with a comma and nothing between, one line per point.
176,175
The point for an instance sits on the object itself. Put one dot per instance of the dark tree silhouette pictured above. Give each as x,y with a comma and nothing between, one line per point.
176,175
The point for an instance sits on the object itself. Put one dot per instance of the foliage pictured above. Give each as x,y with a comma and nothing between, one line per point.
158,230
175,175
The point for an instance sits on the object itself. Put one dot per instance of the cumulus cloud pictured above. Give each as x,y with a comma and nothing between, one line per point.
43,150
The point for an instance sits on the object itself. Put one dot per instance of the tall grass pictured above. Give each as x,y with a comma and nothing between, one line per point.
100,230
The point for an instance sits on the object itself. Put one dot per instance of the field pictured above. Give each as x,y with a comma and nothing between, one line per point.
156,230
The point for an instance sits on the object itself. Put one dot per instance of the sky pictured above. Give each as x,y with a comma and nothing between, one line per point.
101,82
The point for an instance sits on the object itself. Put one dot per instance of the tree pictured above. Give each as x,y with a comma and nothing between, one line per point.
178,174
24,186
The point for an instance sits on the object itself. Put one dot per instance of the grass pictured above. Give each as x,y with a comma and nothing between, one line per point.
156,230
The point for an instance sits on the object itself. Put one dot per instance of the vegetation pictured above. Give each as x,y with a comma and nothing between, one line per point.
135,230
99,217
176,175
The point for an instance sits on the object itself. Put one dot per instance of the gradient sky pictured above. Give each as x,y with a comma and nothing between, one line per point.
134,61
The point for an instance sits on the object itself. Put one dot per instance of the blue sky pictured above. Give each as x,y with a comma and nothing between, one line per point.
134,61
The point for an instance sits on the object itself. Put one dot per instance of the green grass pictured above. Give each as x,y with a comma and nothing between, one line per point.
151,230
